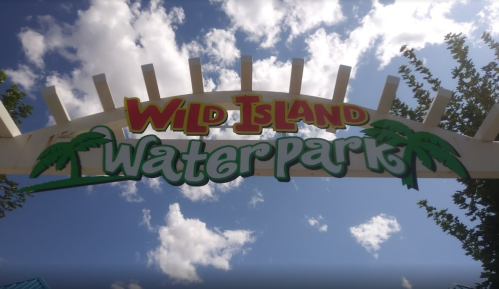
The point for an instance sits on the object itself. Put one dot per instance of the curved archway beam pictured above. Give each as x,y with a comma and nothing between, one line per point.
19,151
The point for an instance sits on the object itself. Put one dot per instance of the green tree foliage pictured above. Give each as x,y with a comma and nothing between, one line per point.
12,99
476,92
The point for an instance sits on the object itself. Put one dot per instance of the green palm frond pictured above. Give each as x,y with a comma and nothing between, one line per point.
85,141
50,156
62,162
444,157
425,158
436,140
55,148
394,126
387,136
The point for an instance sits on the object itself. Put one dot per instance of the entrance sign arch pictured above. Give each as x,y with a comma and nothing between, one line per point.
475,157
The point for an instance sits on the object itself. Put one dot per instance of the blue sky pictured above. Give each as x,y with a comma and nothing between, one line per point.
256,231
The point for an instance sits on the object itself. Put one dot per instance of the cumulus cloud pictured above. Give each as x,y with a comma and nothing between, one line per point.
129,191
33,46
186,243
406,284
375,232
146,220
122,285
154,184
221,46
264,21
317,223
490,15
23,76
116,38
256,198
208,191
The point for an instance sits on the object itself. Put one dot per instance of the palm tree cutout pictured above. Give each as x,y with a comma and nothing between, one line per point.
426,146
60,154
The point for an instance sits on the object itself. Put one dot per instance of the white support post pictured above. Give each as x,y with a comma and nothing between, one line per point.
340,88
196,75
437,108
8,127
489,129
151,82
388,95
106,99
246,73
296,75
55,105
105,96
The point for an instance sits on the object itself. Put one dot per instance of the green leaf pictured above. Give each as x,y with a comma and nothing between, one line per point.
425,158
386,136
55,148
48,160
62,162
85,141
436,140
393,126
445,158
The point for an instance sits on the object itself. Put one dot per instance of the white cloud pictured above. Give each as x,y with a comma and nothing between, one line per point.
146,220
423,23
188,242
208,191
271,75
259,20
406,284
228,80
34,46
121,285
376,231
305,17
154,184
221,45
316,223
24,77
264,21
490,15
129,191
256,198
115,38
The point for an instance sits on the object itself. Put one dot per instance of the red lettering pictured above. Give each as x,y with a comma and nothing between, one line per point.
214,115
178,121
263,114
328,117
280,115
246,126
355,115
139,118
192,126
300,110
